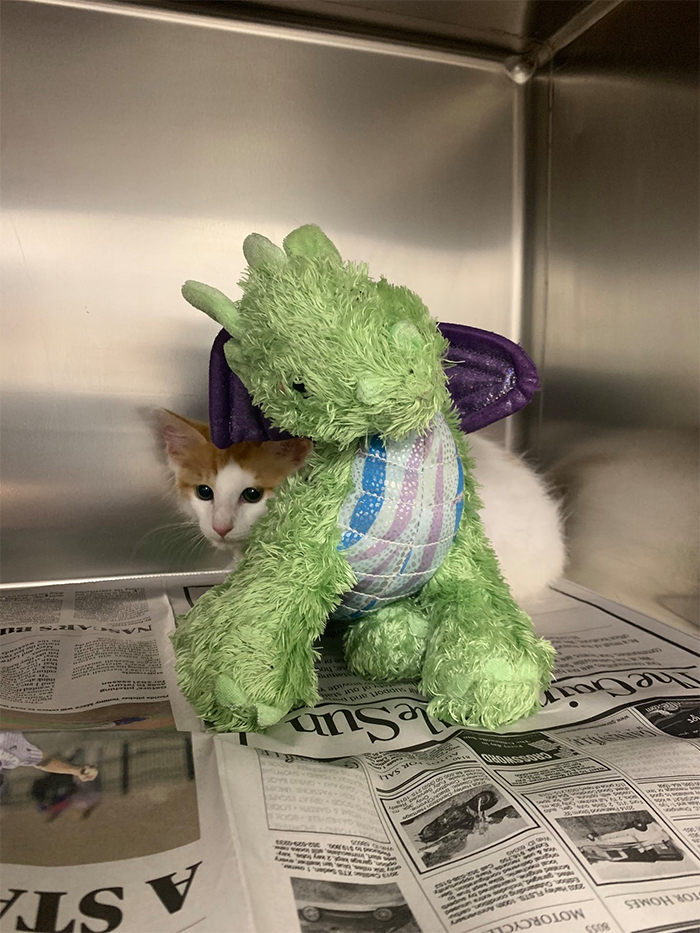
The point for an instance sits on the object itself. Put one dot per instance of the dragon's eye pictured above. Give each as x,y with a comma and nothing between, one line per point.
251,494
300,388
204,492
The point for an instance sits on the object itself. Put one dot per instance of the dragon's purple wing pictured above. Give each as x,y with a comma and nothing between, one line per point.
491,378
232,415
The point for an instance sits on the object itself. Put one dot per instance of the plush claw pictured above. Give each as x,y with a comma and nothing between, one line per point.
492,705
269,715
253,716
228,693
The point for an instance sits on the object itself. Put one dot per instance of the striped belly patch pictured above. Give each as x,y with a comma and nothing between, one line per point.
402,516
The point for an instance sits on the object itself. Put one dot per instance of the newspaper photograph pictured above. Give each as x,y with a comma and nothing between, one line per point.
440,830
114,831
327,904
141,788
86,656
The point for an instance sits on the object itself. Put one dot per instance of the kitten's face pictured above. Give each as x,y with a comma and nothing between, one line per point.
225,491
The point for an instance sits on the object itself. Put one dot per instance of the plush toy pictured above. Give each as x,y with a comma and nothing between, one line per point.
380,528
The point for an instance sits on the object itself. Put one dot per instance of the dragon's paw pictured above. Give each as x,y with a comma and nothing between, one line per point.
243,691
243,713
487,692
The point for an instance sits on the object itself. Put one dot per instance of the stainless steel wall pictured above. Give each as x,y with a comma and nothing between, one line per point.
137,152
615,315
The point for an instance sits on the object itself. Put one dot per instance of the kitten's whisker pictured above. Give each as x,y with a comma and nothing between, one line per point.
192,549
201,543
172,528
182,525
187,547
172,540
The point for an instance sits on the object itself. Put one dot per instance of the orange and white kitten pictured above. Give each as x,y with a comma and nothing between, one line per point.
225,491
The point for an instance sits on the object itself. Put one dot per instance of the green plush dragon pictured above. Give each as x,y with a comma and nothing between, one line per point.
380,528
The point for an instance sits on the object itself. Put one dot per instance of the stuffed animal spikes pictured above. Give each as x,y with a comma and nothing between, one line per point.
380,528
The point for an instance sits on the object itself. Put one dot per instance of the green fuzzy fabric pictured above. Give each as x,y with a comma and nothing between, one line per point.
245,651
476,620
330,354
368,353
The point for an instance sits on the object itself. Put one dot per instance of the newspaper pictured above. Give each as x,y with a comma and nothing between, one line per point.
140,847
77,656
365,813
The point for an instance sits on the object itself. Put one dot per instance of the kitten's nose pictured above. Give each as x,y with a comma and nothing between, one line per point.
222,530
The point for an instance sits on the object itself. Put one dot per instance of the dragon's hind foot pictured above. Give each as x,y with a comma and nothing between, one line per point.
389,644
477,685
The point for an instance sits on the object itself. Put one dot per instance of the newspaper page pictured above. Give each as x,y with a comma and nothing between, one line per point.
85,656
609,658
590,829
115,830
363,813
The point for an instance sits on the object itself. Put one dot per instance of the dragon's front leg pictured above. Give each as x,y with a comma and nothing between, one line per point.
484,664
245,651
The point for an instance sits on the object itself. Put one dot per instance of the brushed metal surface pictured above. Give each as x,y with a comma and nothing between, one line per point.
138,153
616,288
491,26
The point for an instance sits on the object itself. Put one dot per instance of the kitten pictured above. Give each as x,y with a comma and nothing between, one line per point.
521,517
225,491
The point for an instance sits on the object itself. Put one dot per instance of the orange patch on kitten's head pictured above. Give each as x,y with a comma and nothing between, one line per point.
198,461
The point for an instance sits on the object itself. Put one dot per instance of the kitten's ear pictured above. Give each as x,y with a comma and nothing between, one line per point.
180,435
291,453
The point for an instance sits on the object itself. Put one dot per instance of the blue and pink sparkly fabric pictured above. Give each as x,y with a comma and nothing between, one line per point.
401,518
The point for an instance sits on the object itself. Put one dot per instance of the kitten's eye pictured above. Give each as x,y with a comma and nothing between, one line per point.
300,388
252,495
204,492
